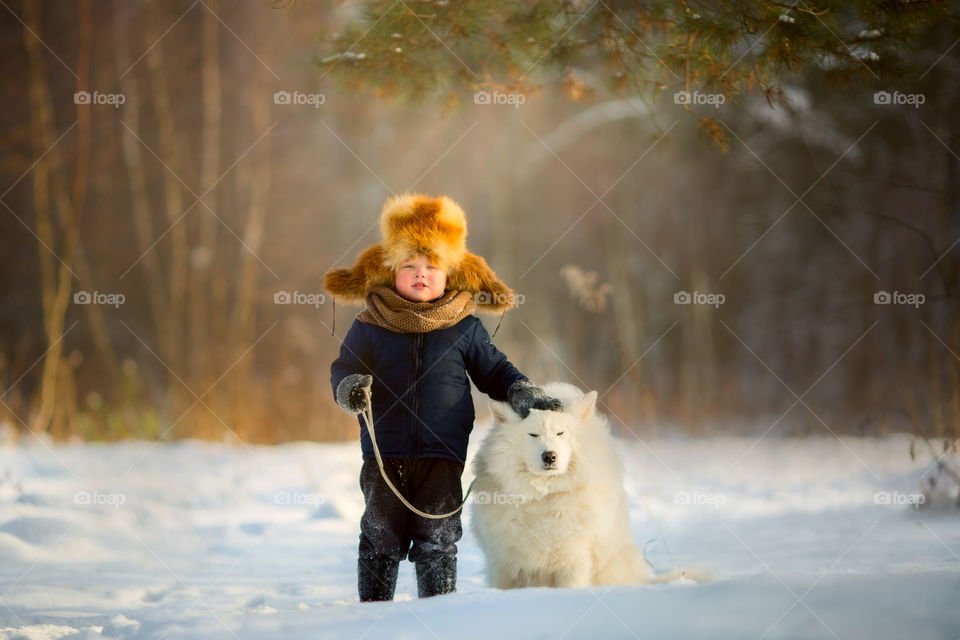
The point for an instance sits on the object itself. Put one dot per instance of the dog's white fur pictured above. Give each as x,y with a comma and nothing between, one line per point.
560,525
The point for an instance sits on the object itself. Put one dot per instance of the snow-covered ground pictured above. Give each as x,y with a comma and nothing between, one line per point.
803,538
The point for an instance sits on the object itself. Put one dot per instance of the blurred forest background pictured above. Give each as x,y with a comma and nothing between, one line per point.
227,152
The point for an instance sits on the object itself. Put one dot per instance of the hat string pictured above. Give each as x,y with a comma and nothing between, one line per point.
498,324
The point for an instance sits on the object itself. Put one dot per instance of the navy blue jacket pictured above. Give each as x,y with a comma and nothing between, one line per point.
422,405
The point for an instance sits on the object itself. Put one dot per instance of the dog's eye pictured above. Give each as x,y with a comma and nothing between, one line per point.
559,433
532,435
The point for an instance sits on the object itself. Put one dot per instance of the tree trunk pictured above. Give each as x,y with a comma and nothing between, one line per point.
94,313
256,173
140,201
173,201
205,354
55,281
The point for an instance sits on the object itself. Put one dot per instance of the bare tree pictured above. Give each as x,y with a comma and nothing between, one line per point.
55,279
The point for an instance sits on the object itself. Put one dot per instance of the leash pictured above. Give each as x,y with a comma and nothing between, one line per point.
368,420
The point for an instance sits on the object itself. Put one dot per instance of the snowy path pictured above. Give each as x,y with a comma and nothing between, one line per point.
195,539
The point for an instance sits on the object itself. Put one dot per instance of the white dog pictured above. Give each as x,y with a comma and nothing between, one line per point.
550,508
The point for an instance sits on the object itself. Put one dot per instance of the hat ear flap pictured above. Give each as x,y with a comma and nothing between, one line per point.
353,284
474,275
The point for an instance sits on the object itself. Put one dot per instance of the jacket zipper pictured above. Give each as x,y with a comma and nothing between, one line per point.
414,443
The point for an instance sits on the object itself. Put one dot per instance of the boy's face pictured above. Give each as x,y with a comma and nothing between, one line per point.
419,280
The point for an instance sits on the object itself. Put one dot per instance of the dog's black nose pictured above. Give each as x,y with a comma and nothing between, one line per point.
549,457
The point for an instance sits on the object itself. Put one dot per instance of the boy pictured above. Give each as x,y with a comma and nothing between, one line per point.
413,347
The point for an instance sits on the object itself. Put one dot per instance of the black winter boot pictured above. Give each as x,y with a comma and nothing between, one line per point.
436,577
376,577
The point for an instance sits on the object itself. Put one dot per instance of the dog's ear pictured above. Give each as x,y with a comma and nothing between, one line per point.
585,406
503,412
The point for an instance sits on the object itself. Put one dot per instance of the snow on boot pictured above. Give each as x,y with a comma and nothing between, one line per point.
376,577
436,577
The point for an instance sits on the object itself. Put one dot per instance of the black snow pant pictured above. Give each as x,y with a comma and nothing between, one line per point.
388,528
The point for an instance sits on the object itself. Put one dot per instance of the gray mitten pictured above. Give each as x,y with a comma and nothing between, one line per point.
523,395
350,395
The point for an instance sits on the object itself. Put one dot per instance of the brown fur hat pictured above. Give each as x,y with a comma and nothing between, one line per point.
437,228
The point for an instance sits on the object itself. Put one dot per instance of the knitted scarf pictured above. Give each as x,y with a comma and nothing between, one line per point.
388,309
